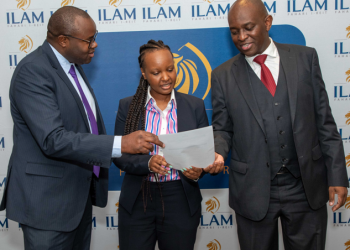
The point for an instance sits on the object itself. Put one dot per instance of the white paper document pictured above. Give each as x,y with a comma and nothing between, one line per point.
191,148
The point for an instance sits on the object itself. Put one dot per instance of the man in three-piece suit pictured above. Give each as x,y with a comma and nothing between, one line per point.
270,108
60,159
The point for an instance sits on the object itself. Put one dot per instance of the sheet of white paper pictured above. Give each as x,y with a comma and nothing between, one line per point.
191,148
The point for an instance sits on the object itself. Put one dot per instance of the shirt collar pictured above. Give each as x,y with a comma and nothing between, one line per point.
65,64
271,51
149,96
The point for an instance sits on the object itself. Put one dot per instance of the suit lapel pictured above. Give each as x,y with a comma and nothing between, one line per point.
289,64
56,65
181,113
240,72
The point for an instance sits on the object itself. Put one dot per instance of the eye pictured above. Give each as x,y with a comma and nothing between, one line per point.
171,69
249,28
233,33
156,73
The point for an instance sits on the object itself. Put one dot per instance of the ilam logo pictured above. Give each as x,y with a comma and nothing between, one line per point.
347,203
347,158
115,14
187,77
67,2
159,13
341,218
343,129
305,7
347,116
159,2
26,44
20,17
214,245
347,244
117,206
342,45
115,3
210,10
341,92
213,205
23,4
340,8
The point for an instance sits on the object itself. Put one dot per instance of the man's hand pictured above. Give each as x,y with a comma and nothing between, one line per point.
342,193
140,142
217,166
156,165
192,173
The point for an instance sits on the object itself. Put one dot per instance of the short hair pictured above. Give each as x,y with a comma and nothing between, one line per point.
63,20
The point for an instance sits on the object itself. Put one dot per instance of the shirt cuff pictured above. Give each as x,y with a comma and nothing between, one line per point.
117,147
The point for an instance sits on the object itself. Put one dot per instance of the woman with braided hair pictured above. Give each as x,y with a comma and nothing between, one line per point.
158,203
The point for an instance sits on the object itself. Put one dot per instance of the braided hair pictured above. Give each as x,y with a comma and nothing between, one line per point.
137,106
137,110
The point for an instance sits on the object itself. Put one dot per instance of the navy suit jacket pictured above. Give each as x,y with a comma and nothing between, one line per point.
191,114
50,169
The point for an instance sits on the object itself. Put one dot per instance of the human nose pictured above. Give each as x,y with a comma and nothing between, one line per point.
165,76
93,44
242,35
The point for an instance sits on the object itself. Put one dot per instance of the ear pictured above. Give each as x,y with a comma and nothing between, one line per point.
63,41
268,22
143,73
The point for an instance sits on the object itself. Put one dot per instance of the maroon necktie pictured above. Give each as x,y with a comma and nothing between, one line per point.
91,116
266,76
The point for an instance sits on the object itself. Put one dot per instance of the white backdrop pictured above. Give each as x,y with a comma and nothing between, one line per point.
325,25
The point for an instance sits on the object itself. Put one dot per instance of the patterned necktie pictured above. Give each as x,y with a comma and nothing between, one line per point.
93,123
266,76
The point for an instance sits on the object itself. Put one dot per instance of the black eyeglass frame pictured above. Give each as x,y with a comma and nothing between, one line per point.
90,42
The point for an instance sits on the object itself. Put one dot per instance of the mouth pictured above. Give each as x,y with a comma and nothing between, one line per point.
246,46
166,86
91,54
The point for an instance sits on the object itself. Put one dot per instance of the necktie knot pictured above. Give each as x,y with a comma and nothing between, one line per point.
260,59
72,71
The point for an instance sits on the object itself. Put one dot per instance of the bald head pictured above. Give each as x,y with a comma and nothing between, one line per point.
258,5
63,21
250,23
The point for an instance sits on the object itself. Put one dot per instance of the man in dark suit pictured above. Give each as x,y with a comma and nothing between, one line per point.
271,109
60,159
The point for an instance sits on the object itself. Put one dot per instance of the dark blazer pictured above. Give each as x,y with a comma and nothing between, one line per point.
191,114
238,126
50,168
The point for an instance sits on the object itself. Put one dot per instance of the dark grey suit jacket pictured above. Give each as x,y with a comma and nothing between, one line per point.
191,114
50,168
238,126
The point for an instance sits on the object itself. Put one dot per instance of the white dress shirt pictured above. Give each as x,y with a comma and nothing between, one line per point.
66,65
163,113
272,61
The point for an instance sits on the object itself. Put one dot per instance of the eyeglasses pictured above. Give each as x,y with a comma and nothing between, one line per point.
90,42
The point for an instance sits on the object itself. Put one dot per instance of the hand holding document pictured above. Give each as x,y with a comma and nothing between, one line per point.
191,148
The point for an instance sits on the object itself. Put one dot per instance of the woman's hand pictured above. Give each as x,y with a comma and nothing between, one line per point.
192,173
157,164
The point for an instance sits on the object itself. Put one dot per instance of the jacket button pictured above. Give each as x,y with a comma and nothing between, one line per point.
283,146
279,118
265,140
267,164
282,132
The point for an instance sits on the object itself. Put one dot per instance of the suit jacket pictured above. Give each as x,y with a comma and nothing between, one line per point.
238,126
191,114
50,168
